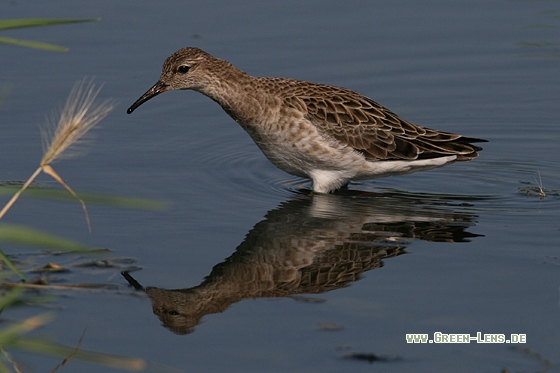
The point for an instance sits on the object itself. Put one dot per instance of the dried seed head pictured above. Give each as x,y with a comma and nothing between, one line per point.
80,114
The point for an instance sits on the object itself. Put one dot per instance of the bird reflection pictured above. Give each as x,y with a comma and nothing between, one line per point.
310,245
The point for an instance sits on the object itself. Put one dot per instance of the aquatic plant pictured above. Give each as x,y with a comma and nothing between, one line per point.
32,22
79,115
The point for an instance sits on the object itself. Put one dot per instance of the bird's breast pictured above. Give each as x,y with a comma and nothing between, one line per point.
295,145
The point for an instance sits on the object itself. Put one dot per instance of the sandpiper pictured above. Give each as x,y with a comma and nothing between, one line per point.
329,134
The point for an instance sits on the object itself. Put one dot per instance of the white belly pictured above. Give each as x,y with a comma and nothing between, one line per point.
299,149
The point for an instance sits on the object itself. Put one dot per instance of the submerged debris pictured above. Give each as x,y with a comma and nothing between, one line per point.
370,357
537,191
119,263
51,268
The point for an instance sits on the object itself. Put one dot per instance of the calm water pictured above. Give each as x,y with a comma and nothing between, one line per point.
245,271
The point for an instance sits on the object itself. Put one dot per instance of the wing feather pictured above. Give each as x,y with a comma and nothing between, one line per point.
371,129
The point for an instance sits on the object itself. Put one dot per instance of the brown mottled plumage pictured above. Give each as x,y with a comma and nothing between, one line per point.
330,134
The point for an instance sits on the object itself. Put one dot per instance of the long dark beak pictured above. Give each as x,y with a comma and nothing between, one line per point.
158,88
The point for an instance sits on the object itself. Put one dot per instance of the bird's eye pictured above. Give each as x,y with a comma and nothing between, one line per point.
183,69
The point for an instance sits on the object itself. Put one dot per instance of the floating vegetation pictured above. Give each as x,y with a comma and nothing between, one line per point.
51,267
538,190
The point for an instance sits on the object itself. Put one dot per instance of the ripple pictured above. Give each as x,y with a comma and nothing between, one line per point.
242,164
231,163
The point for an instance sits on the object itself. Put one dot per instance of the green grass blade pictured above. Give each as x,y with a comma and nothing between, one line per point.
50,348
31,22
11,333
4,368
117,201
33,44
125,202
4,93
12,266
10,298
22,235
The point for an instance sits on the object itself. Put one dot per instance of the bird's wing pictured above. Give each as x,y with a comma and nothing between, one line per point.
366,126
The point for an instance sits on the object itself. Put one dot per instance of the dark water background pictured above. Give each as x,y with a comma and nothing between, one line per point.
482,250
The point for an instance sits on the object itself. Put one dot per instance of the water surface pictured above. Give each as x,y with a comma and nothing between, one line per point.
463,249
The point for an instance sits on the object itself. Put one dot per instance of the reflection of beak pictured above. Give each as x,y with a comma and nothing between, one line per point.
132,281
158,88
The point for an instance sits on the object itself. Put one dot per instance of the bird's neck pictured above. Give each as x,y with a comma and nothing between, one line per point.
236,93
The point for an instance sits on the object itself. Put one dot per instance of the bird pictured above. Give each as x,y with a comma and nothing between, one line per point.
329,134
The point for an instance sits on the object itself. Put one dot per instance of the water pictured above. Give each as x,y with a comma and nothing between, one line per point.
463,249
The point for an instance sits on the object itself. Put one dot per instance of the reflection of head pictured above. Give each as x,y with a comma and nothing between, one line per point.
168,306
180,310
